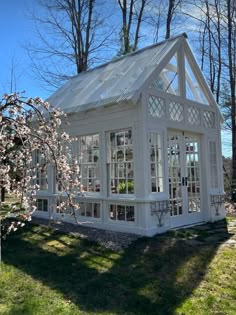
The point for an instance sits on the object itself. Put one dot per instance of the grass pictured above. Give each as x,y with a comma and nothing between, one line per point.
10,199
48,272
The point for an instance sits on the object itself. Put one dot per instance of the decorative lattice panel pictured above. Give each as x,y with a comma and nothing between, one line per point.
156,107
194,116
176,111
208,119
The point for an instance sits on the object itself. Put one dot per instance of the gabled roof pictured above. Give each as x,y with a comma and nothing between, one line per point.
116,81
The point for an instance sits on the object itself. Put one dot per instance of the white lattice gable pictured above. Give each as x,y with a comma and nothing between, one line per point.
179,74
173,76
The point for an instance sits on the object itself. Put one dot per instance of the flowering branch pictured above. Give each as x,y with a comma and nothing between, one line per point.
31,140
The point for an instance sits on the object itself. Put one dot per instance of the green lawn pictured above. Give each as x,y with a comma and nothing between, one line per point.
48,272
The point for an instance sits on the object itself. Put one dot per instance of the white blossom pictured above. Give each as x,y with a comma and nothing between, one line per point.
29,126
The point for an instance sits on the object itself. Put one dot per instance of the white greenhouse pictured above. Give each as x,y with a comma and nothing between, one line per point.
148,128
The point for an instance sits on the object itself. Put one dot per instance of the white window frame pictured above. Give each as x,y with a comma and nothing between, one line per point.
157,163
115,164
125,205
76,153
89,165
213,163
40,177
86,206
42,199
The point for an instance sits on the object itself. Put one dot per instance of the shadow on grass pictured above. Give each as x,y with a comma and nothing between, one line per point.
152,276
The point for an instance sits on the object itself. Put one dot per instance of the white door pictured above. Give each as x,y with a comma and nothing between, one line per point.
184,178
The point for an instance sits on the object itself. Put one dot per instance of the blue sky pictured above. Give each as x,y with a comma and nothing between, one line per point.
16,29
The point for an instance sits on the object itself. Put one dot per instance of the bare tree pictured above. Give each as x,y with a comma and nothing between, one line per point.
218,36
231,28
172,7
70,36
132,17
163,15
221,29
156,20
208,21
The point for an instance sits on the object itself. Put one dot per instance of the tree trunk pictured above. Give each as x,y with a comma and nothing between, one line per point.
169,17
138,25
230,15
130,10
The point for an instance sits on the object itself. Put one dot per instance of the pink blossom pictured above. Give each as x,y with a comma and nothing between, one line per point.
29,130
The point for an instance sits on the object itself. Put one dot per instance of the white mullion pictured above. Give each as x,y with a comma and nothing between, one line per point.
177,184
116,212
155,158
116,178
181,72
85,208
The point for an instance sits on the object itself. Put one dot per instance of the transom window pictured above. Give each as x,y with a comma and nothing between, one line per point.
156,162
120,162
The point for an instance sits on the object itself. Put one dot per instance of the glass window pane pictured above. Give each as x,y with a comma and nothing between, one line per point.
113,212
96,210
39,204
156,166
130,187
82,208
121,213
120,155
213,164
168,80
89,210
193,88
88,157
130,213
42,205
45,205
